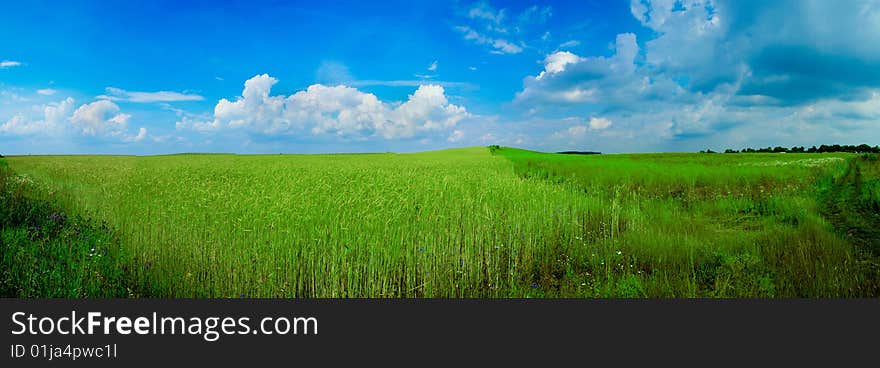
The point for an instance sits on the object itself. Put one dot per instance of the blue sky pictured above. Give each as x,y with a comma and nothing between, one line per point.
266,77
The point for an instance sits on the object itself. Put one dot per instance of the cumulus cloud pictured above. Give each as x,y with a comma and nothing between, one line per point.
101,119
118,94
50,120
339,111
788,72
788,52
606,83
556,62
141,134
46,91
433,66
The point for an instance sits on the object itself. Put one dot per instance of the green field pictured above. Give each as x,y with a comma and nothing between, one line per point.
474,222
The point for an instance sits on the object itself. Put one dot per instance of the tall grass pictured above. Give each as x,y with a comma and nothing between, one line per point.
720,225
462,223
46,253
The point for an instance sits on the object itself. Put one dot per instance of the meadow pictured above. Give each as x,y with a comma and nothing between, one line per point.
473,222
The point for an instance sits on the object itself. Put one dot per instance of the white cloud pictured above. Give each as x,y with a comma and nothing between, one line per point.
699,30
410,83
51,120
535,14
606,82
638,9
433,66
19,125
505,47
142,133
569,43
482,10
556,62
499,45
786,73
46,91
99,118
7,97
577,130
339,111
59,119
599,123
9,64
503,34
456,136
791,50
117,94
333,73
427,109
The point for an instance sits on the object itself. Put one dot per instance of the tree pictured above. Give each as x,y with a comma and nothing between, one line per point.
862,148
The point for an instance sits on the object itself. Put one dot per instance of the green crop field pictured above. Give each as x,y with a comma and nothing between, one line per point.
474,222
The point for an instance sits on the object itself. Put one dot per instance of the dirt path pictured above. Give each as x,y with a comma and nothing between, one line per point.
855,220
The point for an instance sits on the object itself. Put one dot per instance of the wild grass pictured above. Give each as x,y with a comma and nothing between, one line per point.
46,253
747,225
465,223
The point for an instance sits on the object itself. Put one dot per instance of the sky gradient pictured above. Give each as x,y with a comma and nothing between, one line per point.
353,76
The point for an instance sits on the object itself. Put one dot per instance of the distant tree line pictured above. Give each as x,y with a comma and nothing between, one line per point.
580,153
862,148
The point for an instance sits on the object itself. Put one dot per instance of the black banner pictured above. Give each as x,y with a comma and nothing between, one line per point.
331,332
